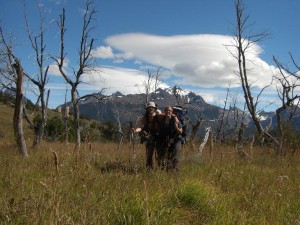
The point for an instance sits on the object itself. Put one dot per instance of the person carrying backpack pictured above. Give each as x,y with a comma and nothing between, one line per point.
148,132
169,140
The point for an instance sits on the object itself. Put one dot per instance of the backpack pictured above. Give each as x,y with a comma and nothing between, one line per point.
181,114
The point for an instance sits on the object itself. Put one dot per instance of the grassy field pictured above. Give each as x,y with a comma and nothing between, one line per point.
103,185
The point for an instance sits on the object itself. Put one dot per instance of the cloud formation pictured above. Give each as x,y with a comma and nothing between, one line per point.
194,62
113,79
54,70
198,60
106,52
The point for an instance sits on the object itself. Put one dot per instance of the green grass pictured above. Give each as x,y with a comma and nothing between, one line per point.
218,190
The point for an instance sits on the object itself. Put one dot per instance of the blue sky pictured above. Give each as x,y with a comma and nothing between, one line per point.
185,37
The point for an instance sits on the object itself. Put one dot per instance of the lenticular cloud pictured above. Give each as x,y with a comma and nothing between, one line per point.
200,60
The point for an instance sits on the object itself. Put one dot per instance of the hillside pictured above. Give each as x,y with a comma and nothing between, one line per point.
6,122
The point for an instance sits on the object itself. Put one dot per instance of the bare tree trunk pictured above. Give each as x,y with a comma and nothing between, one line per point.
15,77
156,82
195,128
222,121
240,141
280,131
85,60
289,82
76,118
147,85
243,42
65,117
151,84
41,127
18,112
37,44
211,144
120,132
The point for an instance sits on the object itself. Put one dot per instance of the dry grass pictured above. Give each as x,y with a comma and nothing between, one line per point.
101,185
56,185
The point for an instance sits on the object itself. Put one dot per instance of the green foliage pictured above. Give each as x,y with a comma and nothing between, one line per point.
109,131
95,125
56,126
292,138
55,129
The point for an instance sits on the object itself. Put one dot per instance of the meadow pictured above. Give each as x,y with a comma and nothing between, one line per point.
105,183
101,184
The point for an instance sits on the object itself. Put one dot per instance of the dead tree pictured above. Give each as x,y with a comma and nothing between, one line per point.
223,121
85,60
242,44
238,125
18,112
240,141
156,82
147,86
116,113
151,84
65,117
181,99
13,71
195,128
288,82
37,44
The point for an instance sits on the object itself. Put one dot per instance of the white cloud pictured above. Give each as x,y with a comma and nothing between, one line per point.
112,79
103,52
201,60
54,70
106,52
58,2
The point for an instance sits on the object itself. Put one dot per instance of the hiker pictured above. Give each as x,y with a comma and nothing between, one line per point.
148,132
169,140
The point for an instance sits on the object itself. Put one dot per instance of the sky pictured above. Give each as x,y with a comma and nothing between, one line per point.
186,38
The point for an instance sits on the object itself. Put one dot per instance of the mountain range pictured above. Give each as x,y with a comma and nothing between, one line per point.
129,108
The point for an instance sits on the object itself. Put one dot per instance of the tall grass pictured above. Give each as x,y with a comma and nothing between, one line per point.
91,187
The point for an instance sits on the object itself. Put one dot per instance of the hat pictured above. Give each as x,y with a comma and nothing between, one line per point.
150,104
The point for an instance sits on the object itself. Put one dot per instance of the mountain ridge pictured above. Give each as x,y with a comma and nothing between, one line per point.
129,108
124,109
